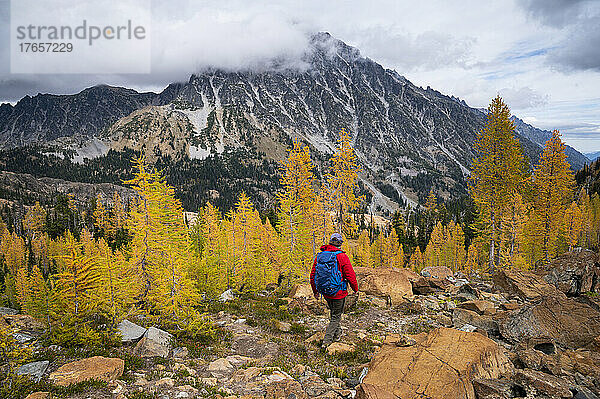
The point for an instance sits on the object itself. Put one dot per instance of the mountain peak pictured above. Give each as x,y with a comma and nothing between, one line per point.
324,44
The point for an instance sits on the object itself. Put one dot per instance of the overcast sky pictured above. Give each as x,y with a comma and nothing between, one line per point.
542,56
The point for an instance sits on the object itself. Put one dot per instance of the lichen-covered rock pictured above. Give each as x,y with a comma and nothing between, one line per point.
387,283
494,388
155,342
96,368
442,364
441,272
535,382
524,284
130,331
24,322
34,370
461,317
4,311
479,306
339,347
38,395
301,291
575,272
570,323
220,366
368,391
286,388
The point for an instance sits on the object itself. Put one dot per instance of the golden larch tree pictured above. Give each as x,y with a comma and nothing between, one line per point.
553,187
497,172
342,184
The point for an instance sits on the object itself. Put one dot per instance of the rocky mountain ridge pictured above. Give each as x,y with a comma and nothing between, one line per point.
409,140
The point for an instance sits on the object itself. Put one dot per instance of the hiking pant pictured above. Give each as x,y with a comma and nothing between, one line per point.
334,331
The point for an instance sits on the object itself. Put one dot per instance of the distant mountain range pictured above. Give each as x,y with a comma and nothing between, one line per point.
539,136
409,140
592,156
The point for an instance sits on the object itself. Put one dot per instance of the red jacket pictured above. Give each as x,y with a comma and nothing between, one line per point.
345,268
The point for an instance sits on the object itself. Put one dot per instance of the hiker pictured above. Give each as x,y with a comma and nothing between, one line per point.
330,275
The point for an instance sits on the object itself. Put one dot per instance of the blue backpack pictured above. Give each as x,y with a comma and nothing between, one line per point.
328,278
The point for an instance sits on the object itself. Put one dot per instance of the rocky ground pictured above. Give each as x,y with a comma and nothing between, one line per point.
434,335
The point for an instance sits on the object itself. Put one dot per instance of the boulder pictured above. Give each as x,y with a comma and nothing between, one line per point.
130,331
479,306
38,395
227,296
575,273
221,365
579,361
34,370
591,300
246,375
22,338
276,376
286,388
439,283
313,385
5,311
368,391
569,323
535,382
510,306
494,388
337,348
315,338
392,284
181,352
442,319
97,368
282,326
24,322
584,393
301,291
429,303
466,292
461,317
441,272
442,364
421,286
165,382
410,274
238,360
154,342
524,284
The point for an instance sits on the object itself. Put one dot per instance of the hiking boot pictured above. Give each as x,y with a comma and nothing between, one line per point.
337,336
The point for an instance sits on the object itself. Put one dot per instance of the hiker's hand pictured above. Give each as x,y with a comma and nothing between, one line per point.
317,296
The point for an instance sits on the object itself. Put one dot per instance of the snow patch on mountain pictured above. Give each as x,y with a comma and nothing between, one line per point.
197,117
195,152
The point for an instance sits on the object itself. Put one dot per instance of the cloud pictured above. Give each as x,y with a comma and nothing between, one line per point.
424,51
227,39
581,47
557,13
578,35
185,39
523,97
